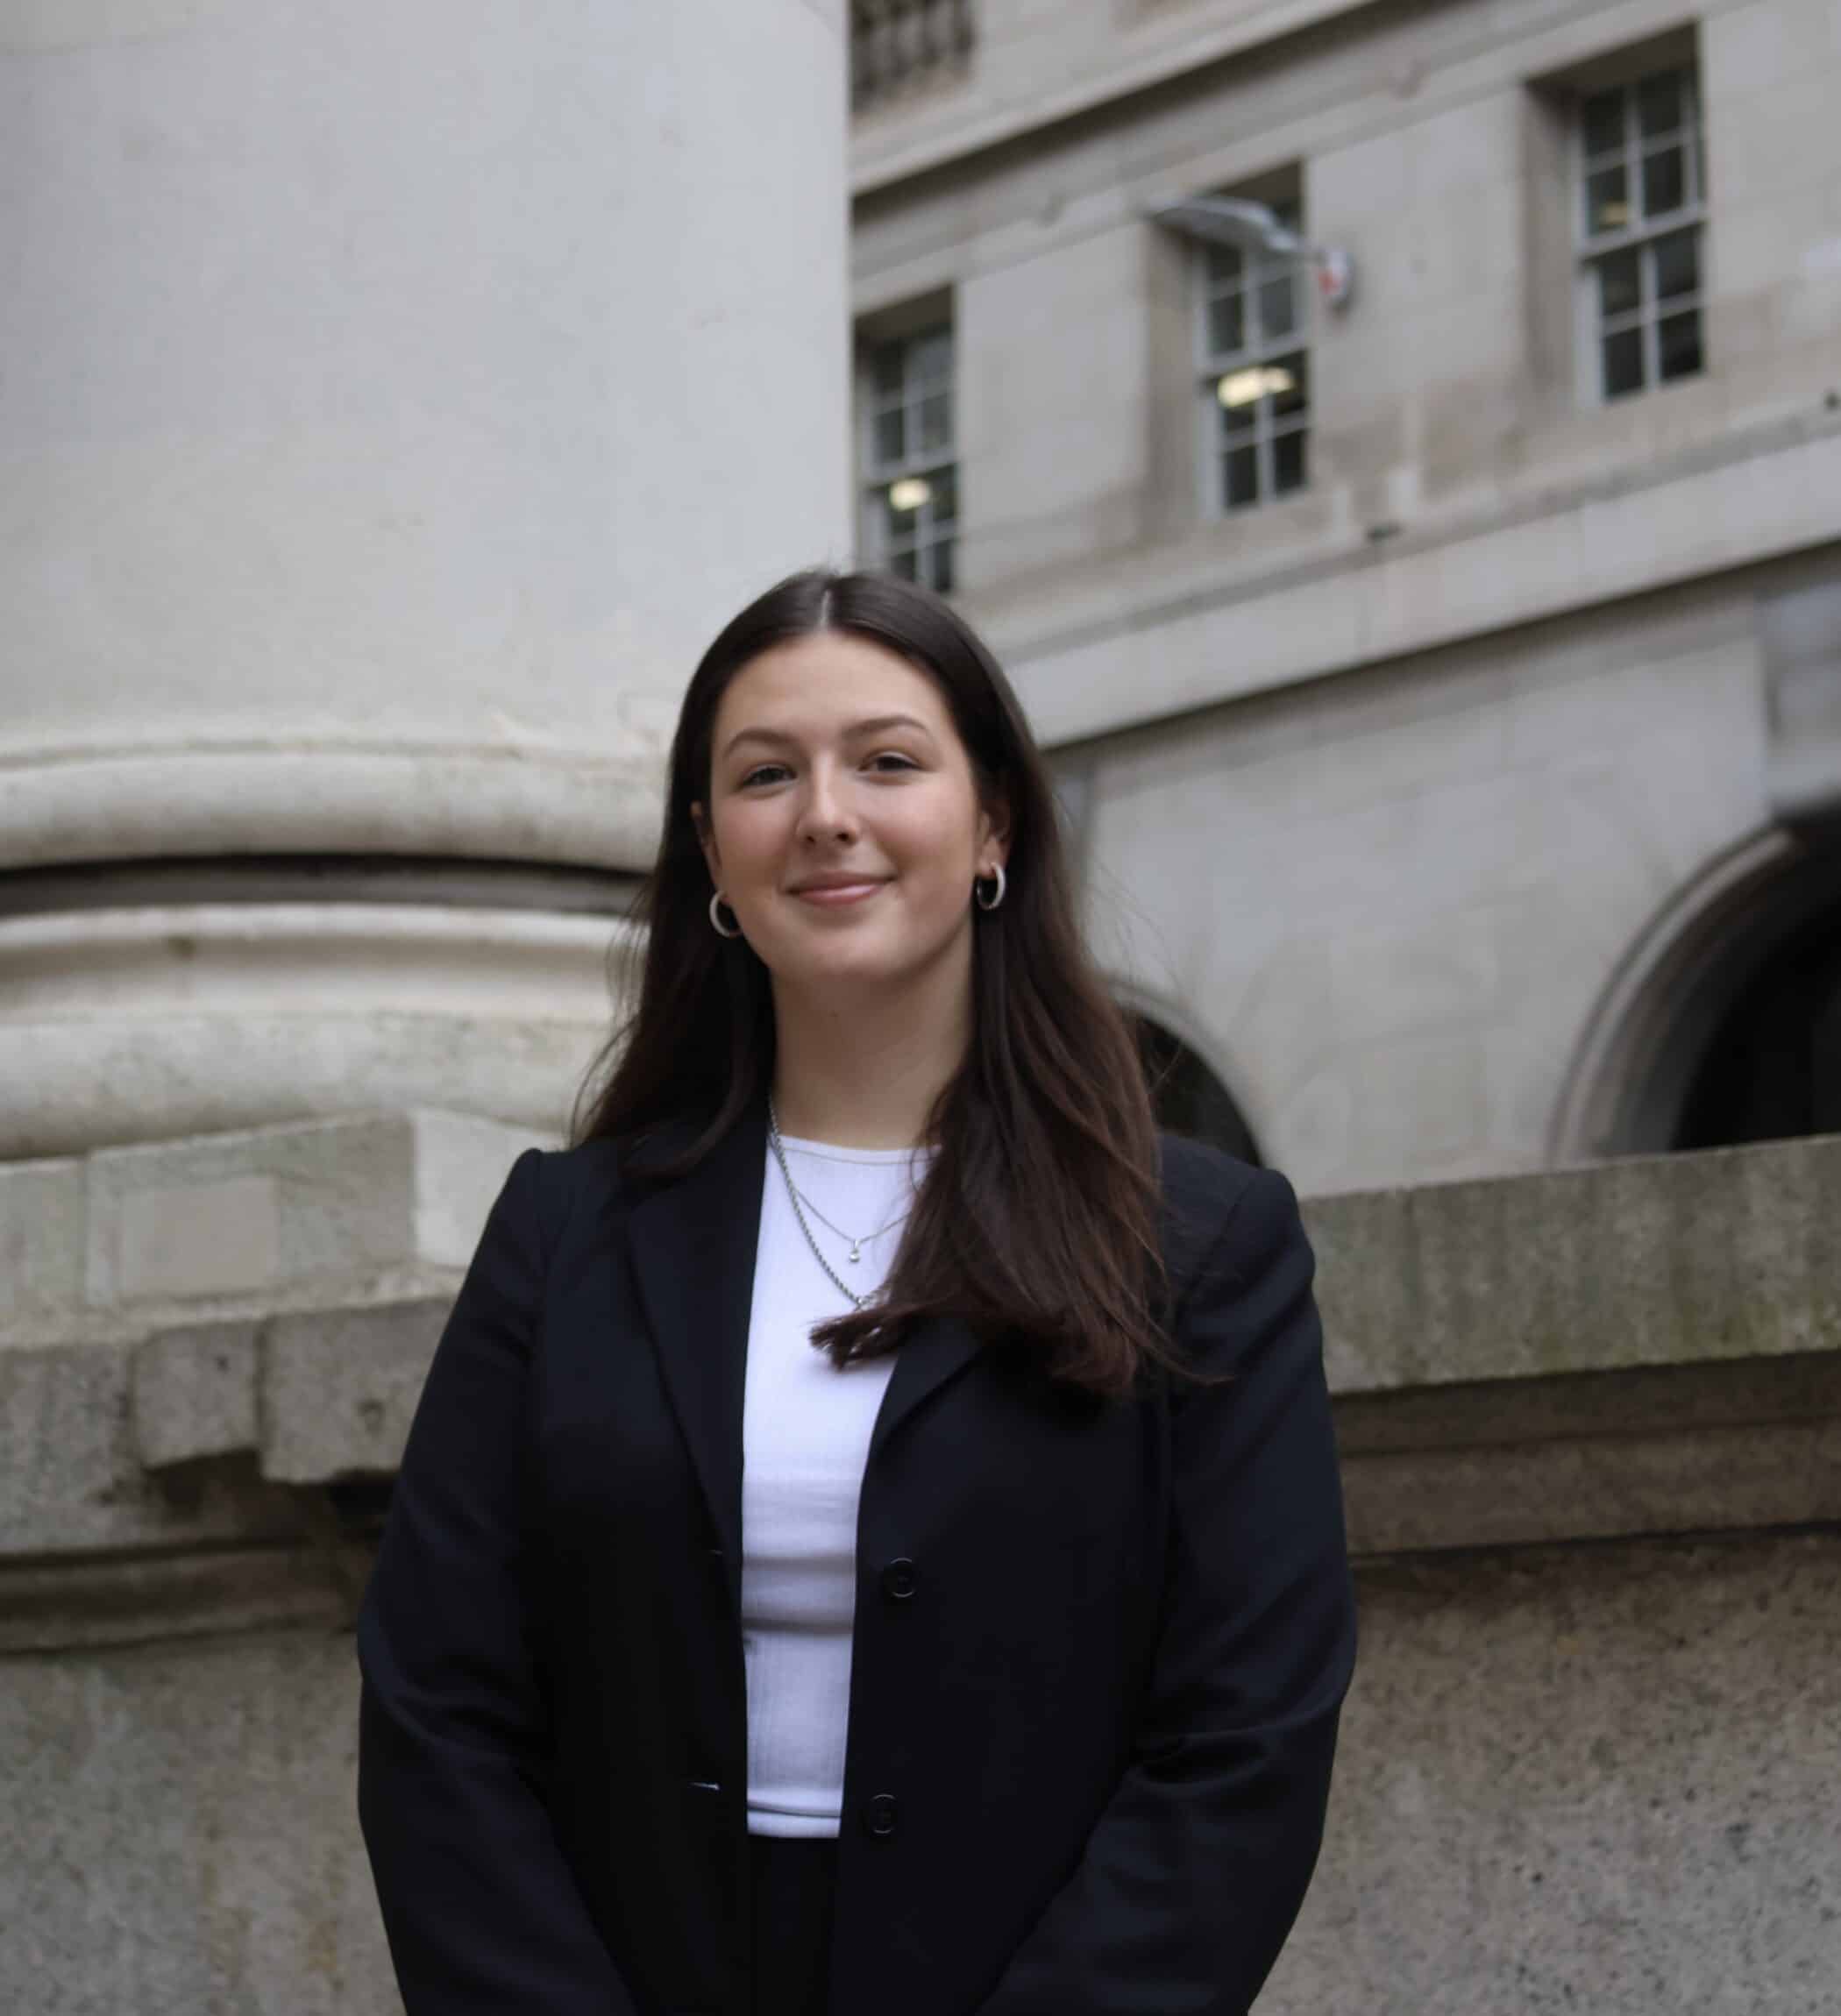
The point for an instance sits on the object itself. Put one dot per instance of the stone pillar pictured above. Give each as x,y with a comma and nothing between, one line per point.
394,397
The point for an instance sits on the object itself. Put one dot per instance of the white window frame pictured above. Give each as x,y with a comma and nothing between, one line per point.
1259,353
1641,235
936,539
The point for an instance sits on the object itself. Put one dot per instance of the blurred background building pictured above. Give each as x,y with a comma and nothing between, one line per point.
1395,449
1447,683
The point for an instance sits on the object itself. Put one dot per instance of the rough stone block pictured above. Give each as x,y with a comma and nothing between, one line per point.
42,1243
1730,1254
195,1393
1592,1779
340,1389
178,1835
72,1479
322,1213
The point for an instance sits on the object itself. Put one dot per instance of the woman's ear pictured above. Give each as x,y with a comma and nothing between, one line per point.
705,839
994,829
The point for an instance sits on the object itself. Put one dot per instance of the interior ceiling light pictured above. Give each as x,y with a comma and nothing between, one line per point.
1242,387
910,492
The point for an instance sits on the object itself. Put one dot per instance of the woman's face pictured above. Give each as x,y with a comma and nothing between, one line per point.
843,825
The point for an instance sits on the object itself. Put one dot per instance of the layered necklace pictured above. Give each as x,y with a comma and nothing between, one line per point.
801,1204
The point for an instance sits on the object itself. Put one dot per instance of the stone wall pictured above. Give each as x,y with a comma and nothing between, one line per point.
1590,1423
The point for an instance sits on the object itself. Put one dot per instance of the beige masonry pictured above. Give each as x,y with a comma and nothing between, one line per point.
1383,783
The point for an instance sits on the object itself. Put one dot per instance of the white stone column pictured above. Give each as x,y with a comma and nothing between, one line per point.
394,397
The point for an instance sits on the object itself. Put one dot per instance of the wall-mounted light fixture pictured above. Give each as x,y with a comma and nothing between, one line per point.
1229,220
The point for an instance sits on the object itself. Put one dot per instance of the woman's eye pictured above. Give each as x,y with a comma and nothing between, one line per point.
766,774
898,762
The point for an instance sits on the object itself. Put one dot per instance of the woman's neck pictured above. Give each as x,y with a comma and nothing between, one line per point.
863,1072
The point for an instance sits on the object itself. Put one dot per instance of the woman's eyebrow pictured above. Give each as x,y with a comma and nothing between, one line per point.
878,724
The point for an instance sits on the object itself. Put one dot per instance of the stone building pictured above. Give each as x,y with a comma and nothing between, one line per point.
1395,448
1447,683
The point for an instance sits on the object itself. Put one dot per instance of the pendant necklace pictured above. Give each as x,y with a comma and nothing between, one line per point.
801,1203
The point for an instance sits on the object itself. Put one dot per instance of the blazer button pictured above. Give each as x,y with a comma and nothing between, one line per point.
899,1580
879,1814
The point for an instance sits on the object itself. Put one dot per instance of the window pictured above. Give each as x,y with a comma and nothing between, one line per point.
1640,191
1255,370
896,45
910,476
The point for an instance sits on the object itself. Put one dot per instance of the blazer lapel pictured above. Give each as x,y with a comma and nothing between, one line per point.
937,1348
693,1247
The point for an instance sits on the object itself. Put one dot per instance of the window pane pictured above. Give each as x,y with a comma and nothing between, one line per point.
1659,104
1240,478
885,369
1227,323
1288,383
1600,119
935,421
1237,420
1678,342
1664,182
1678,265
1278,306
930,356
944,551
1607,202
1619,284
1623,363
890,435
1227,265
1287,462
903,564
945,500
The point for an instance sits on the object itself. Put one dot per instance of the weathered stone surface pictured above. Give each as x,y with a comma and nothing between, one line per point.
339,1388
72,1481
61,1606
42,1243
195,1393
166,1235
177,1836
1675,1259
1586,1780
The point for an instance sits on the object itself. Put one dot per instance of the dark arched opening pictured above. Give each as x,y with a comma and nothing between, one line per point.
1187,1097
1772,1067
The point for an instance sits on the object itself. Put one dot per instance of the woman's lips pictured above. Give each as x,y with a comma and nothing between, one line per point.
834,898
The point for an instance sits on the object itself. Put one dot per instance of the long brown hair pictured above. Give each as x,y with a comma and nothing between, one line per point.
1037,1219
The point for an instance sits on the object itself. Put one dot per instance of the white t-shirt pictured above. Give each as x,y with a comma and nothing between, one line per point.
806,1429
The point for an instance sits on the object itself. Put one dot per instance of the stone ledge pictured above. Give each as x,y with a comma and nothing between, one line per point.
1639,1347
1685,1260
1703,1449
122,1242
57,1606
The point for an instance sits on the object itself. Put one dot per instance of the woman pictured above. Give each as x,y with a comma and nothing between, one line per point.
986,1657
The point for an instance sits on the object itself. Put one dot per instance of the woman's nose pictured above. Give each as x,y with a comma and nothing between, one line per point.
827,813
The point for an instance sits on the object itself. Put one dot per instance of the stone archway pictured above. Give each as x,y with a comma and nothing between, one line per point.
1729,963
1189,1095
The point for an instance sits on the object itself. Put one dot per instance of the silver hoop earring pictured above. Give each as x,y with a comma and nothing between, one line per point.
977,889
722,930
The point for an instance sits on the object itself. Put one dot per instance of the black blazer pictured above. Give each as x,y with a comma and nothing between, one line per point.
1100,1646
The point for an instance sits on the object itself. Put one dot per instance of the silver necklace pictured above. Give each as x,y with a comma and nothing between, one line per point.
800,1202
857,1245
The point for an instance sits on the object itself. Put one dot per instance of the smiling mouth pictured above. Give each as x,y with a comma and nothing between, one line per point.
838,895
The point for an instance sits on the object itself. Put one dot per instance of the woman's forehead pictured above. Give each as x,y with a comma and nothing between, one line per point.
826,683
